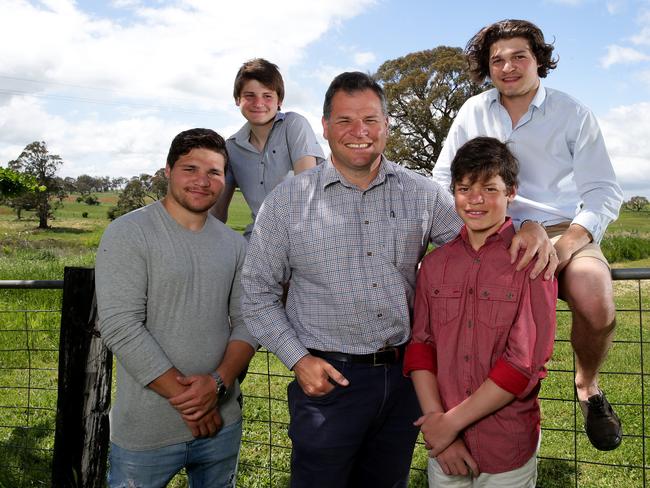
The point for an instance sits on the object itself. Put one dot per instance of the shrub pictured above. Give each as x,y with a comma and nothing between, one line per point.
625,248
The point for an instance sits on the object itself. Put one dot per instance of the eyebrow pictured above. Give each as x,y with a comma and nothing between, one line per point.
518,51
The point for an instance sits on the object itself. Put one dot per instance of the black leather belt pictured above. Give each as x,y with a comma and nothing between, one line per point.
386,355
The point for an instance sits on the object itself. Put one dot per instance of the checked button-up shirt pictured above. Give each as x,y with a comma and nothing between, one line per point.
349,255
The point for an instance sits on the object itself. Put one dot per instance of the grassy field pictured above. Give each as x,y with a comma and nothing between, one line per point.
29,322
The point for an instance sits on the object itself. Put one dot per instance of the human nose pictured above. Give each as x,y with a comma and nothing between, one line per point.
508,65
203,179
359,128
475,196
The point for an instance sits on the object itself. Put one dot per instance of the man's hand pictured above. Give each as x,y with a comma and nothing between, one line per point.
572,240
456,460
563,255
313,375
533,239
206,426
437,431
199,398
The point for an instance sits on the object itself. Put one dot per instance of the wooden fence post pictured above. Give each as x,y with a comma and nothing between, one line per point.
85,365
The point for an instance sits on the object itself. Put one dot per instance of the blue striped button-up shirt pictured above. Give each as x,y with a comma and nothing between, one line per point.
350,256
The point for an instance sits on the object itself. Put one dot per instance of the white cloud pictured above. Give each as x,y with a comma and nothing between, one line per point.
615,6
364,58
642,38
181,55
622,55
626,130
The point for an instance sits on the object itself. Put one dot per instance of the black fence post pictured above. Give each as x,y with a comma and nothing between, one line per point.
82,431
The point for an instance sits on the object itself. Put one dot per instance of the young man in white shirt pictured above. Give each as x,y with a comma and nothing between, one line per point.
567,185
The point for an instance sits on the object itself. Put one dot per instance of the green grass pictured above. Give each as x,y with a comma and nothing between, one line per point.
29,253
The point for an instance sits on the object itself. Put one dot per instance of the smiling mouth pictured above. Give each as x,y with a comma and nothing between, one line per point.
358,146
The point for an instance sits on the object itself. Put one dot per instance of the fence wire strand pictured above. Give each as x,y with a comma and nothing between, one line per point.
28,408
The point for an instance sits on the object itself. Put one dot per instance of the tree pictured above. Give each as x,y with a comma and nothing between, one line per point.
35,160
636,203
137,191
13,183
87,184
424,91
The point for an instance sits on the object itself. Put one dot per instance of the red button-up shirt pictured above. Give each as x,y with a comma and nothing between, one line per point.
475,318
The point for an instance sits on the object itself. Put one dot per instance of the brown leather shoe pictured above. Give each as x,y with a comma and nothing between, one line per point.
602,425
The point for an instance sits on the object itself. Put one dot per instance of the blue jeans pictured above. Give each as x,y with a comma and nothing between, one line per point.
209,462
361,435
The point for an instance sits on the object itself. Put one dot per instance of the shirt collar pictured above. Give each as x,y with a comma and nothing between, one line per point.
504,234
242,136
331,175
537,101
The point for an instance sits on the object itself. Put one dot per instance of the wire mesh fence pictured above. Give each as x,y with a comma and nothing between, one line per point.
29,339
28,391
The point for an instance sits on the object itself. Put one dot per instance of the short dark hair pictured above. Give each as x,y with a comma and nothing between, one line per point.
482,158
350,82
478,47
190,139
259,69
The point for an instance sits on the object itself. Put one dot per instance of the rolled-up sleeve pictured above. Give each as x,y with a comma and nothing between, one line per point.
530,343
421,350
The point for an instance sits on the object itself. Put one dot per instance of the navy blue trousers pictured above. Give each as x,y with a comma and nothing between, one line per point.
361,435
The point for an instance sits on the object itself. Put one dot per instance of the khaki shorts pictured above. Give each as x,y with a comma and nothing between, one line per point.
591,250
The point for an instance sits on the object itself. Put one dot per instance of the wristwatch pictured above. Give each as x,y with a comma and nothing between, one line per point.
221,386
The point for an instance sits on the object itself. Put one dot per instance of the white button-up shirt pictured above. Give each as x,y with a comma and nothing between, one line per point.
565,171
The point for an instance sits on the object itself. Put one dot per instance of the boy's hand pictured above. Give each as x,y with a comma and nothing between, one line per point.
456,460
437,431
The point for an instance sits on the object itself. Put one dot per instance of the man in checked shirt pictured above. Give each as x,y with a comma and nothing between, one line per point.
348,236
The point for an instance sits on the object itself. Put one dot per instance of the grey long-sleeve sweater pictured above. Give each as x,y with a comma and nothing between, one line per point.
166,297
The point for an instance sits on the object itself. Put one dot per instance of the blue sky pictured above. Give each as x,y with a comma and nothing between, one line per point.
107,84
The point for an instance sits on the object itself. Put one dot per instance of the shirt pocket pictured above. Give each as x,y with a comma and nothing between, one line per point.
405,248
497,305
445,303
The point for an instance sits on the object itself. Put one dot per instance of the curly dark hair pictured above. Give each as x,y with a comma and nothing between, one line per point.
478,47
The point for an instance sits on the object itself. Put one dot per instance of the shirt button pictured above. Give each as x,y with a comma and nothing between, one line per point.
469,324
374,285
261,182
471,291
369,253
477,261
366,222
485,293
380,315
466,358
468,392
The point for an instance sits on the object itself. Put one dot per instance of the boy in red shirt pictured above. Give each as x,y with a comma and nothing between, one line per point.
482,333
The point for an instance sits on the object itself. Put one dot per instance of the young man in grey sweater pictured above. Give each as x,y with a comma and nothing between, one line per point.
167,278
